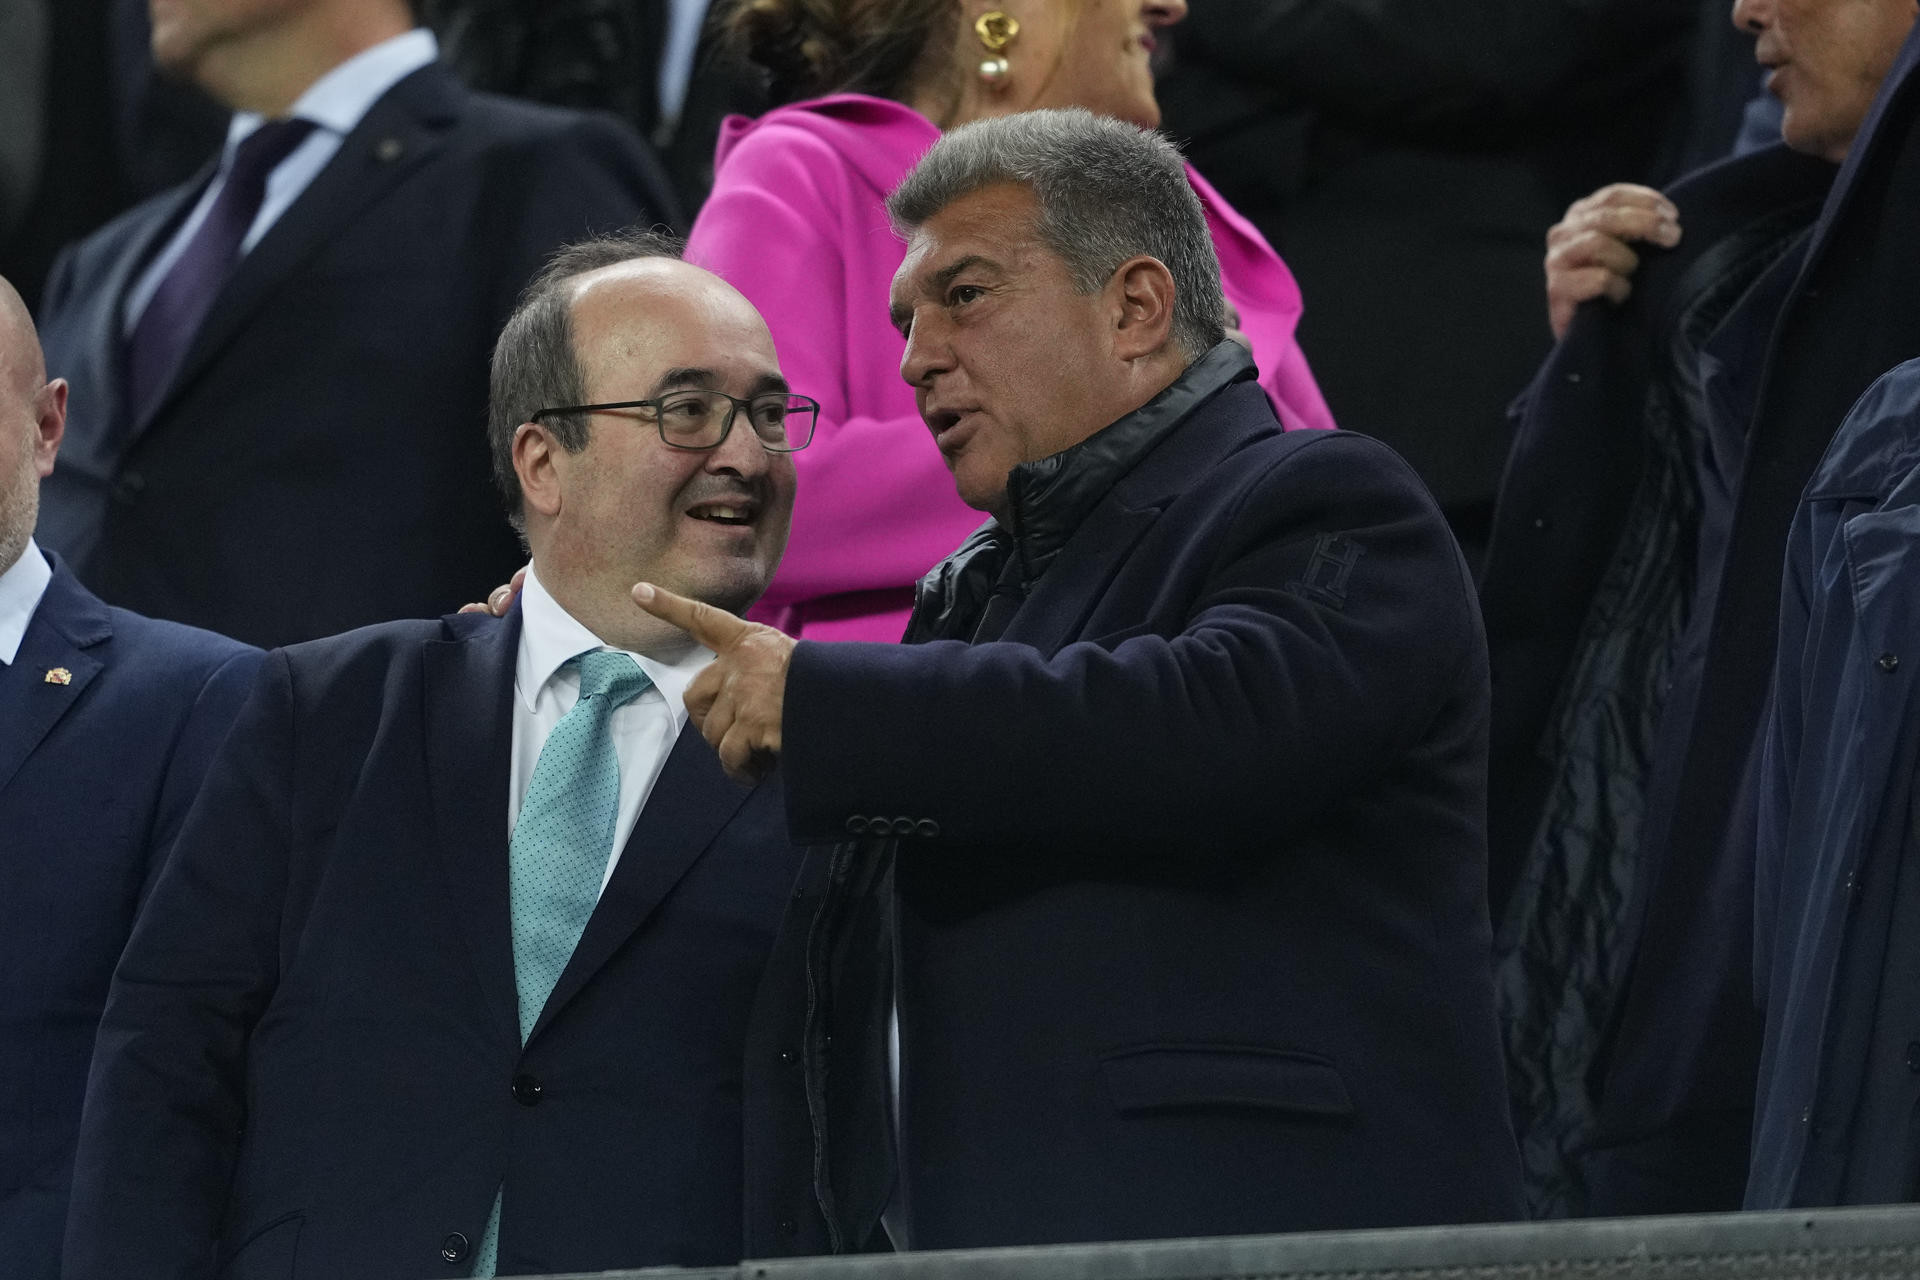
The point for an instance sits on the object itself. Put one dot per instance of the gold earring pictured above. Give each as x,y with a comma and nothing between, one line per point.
996,30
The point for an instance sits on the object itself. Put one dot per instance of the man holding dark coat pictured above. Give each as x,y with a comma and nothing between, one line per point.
1632,594
1176,804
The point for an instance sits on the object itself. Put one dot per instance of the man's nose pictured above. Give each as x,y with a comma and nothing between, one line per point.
1751,16
741,452
1164,13
925,353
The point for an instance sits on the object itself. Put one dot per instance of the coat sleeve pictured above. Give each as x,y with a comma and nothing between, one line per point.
206,726
1277,690
876,506
166,1095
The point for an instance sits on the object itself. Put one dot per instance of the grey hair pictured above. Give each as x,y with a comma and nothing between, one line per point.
534,364
1108,191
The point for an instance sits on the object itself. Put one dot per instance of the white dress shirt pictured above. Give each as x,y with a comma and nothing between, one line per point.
21,587
545,689
684,20
336,103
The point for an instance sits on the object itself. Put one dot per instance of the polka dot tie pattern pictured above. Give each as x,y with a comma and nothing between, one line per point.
561,844
559,851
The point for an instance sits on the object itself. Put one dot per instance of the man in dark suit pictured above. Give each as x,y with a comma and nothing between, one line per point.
1183,784
107,722
452,970
279,368
1633,597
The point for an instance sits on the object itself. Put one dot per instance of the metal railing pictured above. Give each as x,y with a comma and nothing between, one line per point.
1827,1244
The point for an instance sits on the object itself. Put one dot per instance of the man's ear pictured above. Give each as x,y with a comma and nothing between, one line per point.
535,453
1142,292
50,415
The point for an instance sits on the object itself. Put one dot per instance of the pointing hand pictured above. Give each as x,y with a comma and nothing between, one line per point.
736,703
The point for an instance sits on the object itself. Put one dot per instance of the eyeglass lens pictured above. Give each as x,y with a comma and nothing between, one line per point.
698,419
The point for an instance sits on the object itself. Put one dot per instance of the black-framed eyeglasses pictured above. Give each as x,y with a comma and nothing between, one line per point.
783,423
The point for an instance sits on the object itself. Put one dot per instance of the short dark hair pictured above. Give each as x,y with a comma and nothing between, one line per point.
534,364
1107,190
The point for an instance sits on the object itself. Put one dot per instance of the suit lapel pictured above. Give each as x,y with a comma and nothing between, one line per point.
1056,613
95,448
691,802
469,694
68,622
399,134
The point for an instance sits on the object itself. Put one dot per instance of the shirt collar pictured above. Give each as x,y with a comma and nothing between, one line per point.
549,636
21,587
340,99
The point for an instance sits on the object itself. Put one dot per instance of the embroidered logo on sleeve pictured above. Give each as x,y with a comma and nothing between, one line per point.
1329,570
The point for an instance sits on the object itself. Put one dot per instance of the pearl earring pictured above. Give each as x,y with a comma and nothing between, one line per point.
996,31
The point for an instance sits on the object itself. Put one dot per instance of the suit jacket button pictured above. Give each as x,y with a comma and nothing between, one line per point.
788,1227
527,1090
857,825
454,1248
927,828
903,826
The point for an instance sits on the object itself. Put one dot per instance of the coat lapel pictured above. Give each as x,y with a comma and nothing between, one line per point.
469,695
95,435
691,803
68,622
1056,613
401,132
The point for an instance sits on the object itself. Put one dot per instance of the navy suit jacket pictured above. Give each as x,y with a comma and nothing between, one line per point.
96,775
1191,922
310,1063
319,461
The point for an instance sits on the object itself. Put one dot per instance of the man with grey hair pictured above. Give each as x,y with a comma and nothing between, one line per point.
451,972
1169,823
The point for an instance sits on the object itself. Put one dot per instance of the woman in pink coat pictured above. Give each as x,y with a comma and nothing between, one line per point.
797,222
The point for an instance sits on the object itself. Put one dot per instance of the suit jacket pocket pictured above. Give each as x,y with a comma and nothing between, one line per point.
1181,1077
269,1253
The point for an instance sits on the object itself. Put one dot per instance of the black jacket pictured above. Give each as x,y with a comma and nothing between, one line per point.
1675,1078
98,769
311,1064
1186,851
1591,580
1854,313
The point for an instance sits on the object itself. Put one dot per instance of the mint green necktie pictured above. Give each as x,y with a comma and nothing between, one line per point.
558,855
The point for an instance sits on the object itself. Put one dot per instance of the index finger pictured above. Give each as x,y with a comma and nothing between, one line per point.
714,628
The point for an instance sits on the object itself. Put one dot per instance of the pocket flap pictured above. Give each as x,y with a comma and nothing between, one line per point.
1177,1077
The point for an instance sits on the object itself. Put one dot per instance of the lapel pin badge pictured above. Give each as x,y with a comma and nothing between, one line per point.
59,675
388,150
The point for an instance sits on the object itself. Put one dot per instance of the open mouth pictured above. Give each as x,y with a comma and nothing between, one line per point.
942,421
733,513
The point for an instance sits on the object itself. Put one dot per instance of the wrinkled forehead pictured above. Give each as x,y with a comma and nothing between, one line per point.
997,226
